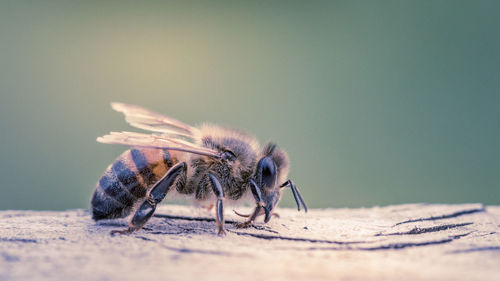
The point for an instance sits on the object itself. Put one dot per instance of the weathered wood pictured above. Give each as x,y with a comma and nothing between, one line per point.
402,242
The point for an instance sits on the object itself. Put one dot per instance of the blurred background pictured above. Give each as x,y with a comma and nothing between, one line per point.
376,102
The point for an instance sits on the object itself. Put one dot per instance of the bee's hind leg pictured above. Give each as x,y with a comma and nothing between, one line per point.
156,195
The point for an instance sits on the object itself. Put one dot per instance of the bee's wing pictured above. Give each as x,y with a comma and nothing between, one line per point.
147,120
154,141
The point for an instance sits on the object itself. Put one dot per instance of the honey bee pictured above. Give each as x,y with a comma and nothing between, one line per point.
208,163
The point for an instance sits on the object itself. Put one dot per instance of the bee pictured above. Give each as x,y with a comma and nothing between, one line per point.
207,163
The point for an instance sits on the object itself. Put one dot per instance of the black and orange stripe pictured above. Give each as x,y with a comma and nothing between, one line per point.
127,180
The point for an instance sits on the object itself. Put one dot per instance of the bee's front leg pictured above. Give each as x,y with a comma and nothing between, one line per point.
258,211
257,195
219,207
156,195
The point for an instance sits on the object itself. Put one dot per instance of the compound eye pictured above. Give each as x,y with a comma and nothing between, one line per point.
267,171
228,155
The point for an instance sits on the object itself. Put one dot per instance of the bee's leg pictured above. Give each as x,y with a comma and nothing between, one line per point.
156,195
219,208
258,211
257,195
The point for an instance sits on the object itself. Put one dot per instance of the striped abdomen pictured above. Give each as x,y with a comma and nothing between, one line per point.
127,180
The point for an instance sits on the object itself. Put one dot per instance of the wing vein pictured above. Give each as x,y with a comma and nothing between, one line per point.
155,141
147,120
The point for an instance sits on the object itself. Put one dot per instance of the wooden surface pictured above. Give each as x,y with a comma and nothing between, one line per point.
402,242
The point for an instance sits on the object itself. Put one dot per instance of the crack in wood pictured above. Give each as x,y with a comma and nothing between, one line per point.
458,236
418,230
264,228
477,249
111,224
399,246
22,240
393,246
298,239
167,232
447,216
203,219
144,238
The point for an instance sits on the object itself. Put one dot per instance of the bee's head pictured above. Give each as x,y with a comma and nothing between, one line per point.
270,172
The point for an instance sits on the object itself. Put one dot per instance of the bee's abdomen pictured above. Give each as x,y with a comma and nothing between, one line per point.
127,180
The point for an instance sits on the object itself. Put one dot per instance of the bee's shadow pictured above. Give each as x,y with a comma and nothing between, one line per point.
181,225
194,225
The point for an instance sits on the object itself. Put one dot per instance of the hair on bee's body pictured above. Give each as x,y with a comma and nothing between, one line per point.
136,170
232,173
205,163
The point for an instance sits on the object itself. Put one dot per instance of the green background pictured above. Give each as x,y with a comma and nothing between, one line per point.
376,102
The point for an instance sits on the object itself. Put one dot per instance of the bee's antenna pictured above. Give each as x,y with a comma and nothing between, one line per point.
301,199
296,195
240,214
269,149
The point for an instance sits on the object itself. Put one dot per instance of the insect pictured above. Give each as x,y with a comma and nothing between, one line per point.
208,163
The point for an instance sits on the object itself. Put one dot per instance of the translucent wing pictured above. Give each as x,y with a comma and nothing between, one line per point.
147,120
154,141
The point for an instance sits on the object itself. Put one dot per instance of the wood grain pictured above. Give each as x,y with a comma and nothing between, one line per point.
411,242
